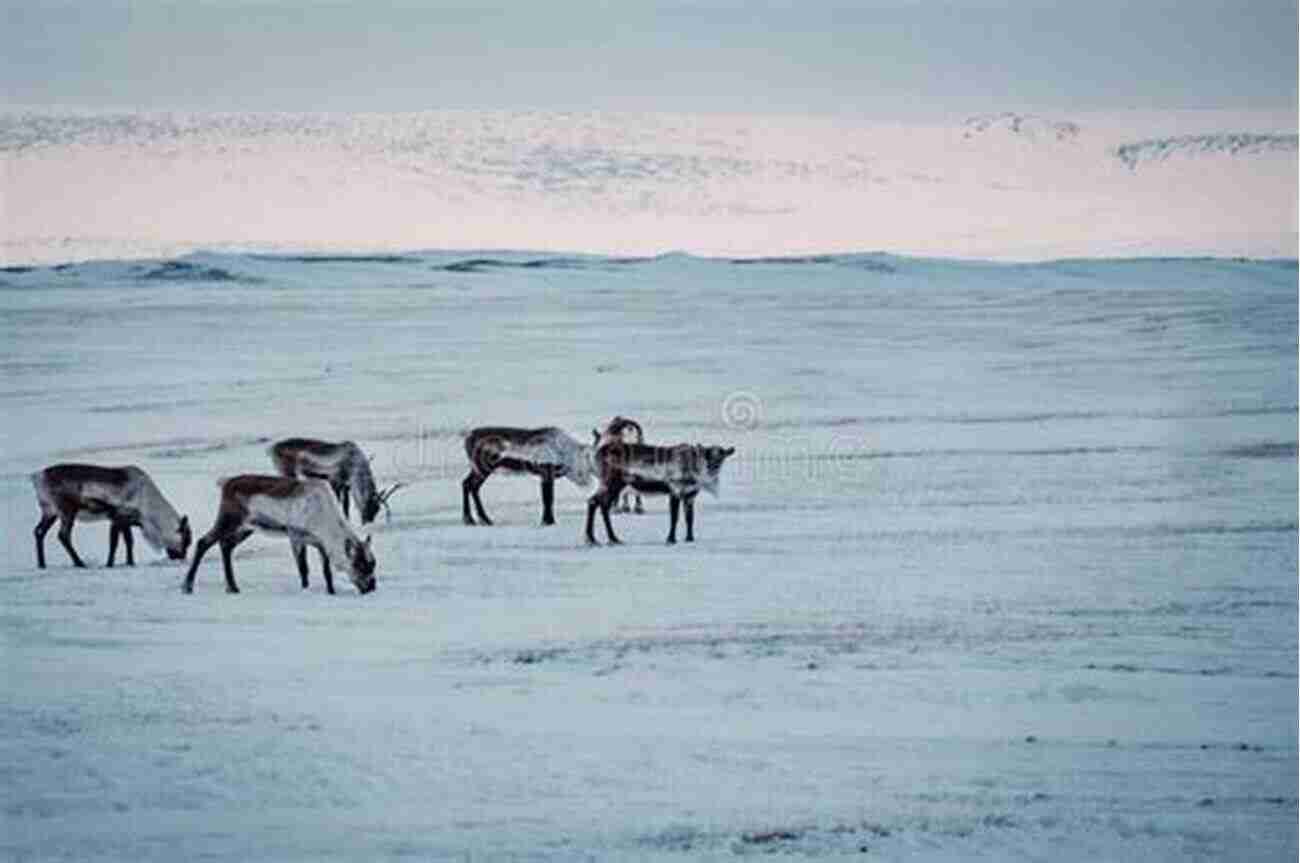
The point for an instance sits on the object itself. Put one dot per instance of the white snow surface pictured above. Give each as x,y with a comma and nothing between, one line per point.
81,185
1006,567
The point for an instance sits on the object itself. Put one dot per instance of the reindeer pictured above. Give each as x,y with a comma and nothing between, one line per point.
126,496
677,471
547,453
343,465
304,509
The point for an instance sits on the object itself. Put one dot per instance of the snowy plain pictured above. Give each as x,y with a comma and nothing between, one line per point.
1004,568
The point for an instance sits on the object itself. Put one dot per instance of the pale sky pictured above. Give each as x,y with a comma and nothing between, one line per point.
882,58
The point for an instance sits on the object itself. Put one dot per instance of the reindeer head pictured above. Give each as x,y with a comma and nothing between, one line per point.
622,429
177,546
360,564
714,456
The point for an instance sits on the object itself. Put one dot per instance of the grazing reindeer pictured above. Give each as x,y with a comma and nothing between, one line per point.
343,465
547,453
304,509
126,496
677,471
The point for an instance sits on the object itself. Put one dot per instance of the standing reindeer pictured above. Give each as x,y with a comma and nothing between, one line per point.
126,496
678,471
306,510
547,453
343,465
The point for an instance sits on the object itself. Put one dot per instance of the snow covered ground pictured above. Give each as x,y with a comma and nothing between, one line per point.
1004,568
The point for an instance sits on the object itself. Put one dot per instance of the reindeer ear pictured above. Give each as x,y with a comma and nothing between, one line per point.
368,540
731,450
185,522
595,436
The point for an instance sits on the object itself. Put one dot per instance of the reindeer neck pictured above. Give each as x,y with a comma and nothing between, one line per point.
360,478
158,518
325,524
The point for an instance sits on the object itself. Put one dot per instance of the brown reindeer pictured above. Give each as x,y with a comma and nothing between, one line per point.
678,471
305,510
125,496
343,465
547,453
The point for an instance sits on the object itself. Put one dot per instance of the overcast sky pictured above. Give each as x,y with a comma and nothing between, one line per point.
882,58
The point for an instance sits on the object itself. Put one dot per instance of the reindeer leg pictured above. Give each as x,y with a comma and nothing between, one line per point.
325,568
465,485
639,508
690,518
478,501
43,527
200,548
112,543
606,497
345,500
227,524
66,518
129,542
609,528
674,506
228,545
300,557
592,503
548,496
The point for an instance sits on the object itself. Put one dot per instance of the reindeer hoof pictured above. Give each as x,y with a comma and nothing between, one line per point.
232,590
672,540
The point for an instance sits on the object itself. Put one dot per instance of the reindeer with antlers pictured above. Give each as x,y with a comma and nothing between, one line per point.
305,510
547,453
126,496
680,472
343,465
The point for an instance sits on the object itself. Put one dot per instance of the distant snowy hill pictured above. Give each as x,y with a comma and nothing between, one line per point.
1008,186
1024,125
1159,149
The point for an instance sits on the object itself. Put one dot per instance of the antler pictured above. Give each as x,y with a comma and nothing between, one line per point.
385,495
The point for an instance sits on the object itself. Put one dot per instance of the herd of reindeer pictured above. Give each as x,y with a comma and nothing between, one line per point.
308,499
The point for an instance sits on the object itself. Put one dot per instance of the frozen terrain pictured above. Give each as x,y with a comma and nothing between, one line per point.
95,185
1004,568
